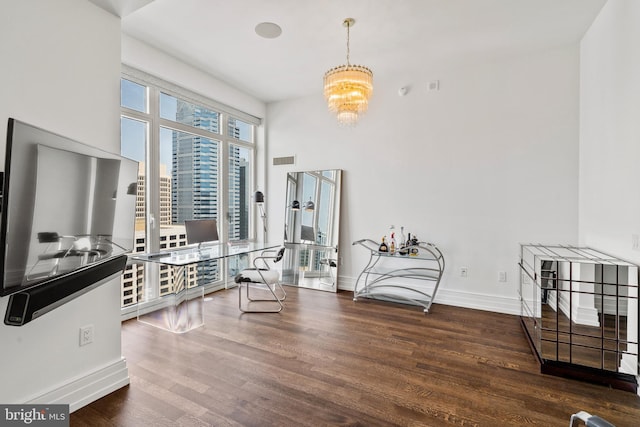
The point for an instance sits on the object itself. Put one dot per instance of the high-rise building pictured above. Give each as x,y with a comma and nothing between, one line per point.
132,281
238,203
165,194
194,174
244,199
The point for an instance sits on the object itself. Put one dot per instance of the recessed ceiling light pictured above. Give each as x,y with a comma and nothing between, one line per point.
268,30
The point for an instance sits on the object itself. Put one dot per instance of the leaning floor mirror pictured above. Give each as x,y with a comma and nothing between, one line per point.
311,229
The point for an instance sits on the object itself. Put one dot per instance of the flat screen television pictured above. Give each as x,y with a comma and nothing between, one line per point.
65,207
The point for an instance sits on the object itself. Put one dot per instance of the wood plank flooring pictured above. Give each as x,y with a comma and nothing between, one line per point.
328,361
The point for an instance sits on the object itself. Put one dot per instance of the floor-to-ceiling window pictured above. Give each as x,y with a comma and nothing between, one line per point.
196,161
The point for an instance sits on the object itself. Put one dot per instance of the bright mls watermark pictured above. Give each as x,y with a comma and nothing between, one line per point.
34,415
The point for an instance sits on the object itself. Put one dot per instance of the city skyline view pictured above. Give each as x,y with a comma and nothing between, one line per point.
189,167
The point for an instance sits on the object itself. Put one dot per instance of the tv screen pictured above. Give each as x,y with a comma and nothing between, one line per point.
65,206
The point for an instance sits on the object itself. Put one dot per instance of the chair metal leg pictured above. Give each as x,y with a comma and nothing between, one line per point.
250,300
272,288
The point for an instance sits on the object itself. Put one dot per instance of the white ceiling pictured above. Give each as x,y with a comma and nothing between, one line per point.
218,36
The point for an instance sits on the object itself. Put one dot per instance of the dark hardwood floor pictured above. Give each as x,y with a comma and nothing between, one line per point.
328,361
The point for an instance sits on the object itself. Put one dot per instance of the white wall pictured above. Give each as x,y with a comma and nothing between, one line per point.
610,130
485,163
61,72
610,143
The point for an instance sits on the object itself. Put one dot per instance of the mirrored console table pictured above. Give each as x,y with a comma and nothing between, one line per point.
182,309
407,279
579,311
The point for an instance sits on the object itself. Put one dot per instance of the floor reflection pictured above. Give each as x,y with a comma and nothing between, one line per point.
596,347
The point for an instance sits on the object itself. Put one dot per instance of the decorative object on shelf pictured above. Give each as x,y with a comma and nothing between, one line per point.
414,246
258,198
408,245
392,240
383,246
347,88
402,285
403,244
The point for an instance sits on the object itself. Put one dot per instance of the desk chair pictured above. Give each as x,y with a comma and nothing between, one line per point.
331,264
265,277
589,420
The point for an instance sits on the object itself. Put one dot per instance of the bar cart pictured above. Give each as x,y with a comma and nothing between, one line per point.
409,279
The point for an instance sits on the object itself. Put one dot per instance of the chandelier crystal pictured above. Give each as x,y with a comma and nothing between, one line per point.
347,88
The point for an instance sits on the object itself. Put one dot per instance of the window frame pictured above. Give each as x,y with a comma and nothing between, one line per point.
155,86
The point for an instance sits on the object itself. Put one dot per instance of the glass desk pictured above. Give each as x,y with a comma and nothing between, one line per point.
181,310
409,279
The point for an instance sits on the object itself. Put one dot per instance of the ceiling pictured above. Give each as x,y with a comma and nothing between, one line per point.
218,37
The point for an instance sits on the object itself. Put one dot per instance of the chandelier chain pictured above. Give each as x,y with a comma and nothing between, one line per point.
348,48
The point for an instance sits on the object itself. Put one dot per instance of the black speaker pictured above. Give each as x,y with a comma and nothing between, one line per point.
24,306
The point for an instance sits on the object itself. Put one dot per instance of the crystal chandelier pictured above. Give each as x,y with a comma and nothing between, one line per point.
347,88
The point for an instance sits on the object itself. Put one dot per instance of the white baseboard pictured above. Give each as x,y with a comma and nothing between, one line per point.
586,316
629,364
496,303
580,315
82,391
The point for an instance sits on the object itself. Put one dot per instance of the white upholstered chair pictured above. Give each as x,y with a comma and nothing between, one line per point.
264,280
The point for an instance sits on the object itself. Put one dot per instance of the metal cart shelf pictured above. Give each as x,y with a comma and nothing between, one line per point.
401,284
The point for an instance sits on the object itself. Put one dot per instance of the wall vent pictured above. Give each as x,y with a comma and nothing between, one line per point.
289,160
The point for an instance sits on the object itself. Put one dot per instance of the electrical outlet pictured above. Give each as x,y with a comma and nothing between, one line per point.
464,272
502,276
86,335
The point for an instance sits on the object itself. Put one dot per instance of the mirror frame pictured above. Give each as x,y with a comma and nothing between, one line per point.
312,229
